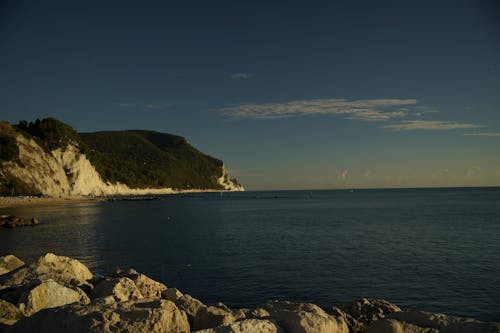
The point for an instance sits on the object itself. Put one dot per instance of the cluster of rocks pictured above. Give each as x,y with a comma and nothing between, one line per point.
11,221
60,294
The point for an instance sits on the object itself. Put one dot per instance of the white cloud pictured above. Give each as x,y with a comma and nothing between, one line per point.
435,125
473,171
481,134
367,173
244,76
344,174
365,110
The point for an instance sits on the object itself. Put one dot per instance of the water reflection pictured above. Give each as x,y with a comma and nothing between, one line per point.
70,230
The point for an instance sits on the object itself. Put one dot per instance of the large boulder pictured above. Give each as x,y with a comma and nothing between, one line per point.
353,324
394,326
255,313
304,318
443,323
185,302
49,294
9,313
246,326
472,327
111,290
9,263
139,316
438,321
212,316
148,287
64,270
366,310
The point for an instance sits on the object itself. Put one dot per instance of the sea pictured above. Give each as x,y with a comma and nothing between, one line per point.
434,250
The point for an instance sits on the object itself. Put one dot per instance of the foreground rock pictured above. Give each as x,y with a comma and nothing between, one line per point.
49,294
139,316
247,326
59,294
11,221
116,290
304,318
148,287
9,263
9,313
63,270
426,322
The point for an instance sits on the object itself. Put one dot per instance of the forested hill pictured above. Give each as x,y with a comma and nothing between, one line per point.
151,159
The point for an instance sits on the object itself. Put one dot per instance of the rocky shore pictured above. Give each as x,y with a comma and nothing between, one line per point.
60,294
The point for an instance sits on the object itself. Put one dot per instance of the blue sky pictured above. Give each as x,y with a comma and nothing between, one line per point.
316,94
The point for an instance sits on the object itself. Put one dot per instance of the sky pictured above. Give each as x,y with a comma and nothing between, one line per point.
289,94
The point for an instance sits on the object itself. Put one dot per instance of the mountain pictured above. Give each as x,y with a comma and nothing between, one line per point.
49,157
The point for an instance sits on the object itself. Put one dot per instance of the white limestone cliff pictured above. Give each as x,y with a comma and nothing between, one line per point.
67,172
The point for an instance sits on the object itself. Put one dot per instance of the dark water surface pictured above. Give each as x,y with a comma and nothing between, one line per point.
427,249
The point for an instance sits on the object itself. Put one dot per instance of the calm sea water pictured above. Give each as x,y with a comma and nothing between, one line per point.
427,249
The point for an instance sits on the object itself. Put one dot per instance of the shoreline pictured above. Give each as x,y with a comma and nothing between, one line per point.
11,202
128,301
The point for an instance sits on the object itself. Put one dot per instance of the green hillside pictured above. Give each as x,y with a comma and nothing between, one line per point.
150,159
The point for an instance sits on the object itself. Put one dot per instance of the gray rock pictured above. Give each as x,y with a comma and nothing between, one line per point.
246,326
304,318
139,316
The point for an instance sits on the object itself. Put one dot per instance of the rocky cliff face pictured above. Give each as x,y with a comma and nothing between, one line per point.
67,172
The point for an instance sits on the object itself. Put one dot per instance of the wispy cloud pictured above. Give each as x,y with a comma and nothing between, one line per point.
125,105
244,76
156,106
365,110
482,134
143,106
435,125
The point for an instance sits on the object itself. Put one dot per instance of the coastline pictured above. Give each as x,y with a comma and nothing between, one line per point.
7,202
129,301
10,201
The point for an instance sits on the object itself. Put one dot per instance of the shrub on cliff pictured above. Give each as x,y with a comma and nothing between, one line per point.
50,133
